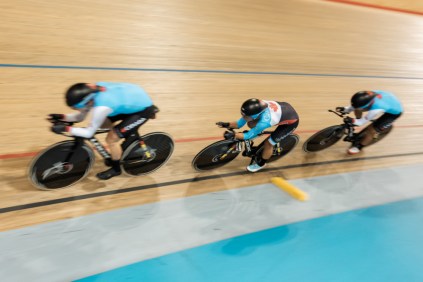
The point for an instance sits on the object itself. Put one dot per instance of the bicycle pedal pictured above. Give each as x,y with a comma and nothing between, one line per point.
348,139
248,154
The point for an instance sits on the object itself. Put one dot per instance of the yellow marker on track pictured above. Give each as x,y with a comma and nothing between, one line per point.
289,188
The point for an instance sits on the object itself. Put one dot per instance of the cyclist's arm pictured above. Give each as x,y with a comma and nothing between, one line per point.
348,109
99,115
78,116
358,113
240,123
233,124
253,132
370,116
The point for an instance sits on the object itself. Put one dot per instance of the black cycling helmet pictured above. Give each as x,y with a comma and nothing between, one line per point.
362,98
79,94
253,108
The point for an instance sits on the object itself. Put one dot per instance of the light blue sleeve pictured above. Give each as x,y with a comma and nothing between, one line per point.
241,122
256,130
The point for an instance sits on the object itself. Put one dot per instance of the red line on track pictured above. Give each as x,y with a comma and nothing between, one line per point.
186,140
377,6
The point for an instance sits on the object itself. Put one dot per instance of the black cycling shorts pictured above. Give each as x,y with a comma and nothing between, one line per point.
384,122
282,131
131,122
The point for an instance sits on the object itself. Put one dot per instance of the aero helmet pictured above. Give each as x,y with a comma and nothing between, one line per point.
79,94
253,108
362,98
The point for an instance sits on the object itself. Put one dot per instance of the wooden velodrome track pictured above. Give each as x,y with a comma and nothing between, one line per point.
199,60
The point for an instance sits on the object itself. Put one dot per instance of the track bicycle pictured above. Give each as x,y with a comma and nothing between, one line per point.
329,136
222,152
68,162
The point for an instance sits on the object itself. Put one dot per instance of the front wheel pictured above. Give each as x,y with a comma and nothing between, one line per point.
324,138
61,165
135,161
215,155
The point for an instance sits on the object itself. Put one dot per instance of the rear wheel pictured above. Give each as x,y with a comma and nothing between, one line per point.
61,165
324,138
135,160
286,145
215,155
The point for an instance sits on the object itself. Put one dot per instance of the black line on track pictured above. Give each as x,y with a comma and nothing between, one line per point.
188,180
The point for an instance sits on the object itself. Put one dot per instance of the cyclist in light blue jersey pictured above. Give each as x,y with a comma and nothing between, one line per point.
383,109
127,106
262,114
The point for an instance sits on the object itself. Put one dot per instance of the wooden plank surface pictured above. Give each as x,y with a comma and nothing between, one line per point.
192,58
412,7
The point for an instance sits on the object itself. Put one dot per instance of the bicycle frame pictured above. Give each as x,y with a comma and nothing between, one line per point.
69,161
93,140
99,147
249,151
349,130
346,131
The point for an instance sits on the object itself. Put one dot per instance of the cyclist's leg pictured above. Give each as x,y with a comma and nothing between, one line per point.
287,125
369,133
113,141
107,124
126,128
379,126
281,132
358,145
383,124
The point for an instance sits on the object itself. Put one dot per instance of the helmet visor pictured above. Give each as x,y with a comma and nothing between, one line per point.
84,102
365,106
251,118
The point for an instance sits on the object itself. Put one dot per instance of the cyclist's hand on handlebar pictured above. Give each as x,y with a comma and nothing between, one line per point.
348,120
59,128
55,117
341,110
228,135
222,124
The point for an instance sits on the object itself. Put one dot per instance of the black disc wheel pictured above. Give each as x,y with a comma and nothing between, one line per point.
324,138
61,165
137,161
215,155
285,146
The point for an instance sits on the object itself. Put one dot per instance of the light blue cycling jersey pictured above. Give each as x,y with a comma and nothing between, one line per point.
384,102
263,122
271,116
122,98
387,102
116,99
